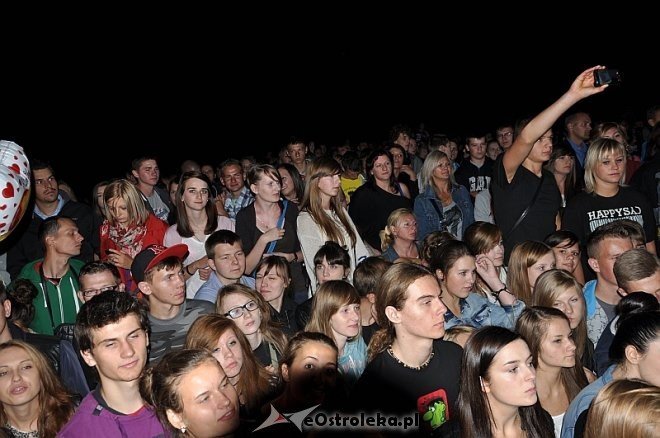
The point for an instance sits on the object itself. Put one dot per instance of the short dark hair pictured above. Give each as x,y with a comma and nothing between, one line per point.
49,227
334,254
106,308
136,163
96,267
41,165
560,236
221,236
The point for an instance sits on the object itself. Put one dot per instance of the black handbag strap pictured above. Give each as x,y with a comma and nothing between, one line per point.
434,203
531,204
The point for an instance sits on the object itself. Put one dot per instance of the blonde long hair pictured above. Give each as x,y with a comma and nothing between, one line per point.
548,287
312,202
523,256
124,189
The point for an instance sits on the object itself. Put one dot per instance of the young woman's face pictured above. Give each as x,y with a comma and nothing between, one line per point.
557,347
288,190
330,185
326,271
610,168
229,354
312,373
406,228
210,402
459,281
496,254
511,380
267,188
613,133
567,256
173,189
571,304
345,323
563,165
195,194
99,196
382,170
397,157
19,378
649,365
545,263
271,285
119,211
250,322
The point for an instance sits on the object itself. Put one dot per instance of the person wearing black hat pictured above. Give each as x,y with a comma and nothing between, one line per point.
158,272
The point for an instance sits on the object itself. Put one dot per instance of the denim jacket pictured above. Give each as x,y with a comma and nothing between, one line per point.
427,216
477,311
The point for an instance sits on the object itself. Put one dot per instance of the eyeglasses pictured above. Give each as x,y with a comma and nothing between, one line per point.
93,292
504,134
237,312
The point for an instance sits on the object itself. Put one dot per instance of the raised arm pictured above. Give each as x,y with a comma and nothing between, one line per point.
583,86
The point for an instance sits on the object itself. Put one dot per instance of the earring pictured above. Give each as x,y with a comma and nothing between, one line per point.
183,429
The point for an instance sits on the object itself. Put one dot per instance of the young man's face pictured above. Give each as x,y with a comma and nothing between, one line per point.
93,284
297,152
148,173
476,147
67,240
232,178
167,286
608,252
119,350
228,262
45,185
504,137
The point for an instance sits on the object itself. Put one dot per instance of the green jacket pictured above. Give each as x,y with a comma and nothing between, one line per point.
63,299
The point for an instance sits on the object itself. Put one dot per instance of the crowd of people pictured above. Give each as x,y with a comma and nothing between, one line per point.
511,291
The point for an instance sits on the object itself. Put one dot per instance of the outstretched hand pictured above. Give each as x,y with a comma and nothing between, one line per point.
583,85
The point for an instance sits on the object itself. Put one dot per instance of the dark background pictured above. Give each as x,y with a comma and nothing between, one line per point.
91,106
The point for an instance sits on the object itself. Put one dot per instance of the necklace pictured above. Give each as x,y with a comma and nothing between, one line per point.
417,368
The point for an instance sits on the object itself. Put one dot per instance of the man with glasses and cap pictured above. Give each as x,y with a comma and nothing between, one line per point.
158,272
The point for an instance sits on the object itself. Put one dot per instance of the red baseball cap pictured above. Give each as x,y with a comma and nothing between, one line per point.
154,254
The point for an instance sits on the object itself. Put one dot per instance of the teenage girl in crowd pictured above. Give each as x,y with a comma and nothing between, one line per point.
192,395
528,260
498,395
336,313
268,226
485,239
625,408
635,352
251,314
196,221
455,267
604,176
293,186
222,338
273,281
559,375
331,262
128,228
322,218
33,402
566,246
559,289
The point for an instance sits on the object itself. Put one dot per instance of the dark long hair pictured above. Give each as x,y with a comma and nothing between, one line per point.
182,223
473,406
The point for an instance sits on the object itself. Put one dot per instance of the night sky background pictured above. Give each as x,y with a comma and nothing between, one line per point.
212,95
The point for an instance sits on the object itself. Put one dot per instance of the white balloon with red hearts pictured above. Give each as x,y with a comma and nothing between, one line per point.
14,186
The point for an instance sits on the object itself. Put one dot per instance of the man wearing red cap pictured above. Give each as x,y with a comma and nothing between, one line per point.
158,272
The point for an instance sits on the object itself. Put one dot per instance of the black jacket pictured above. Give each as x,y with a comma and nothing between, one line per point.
27,247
